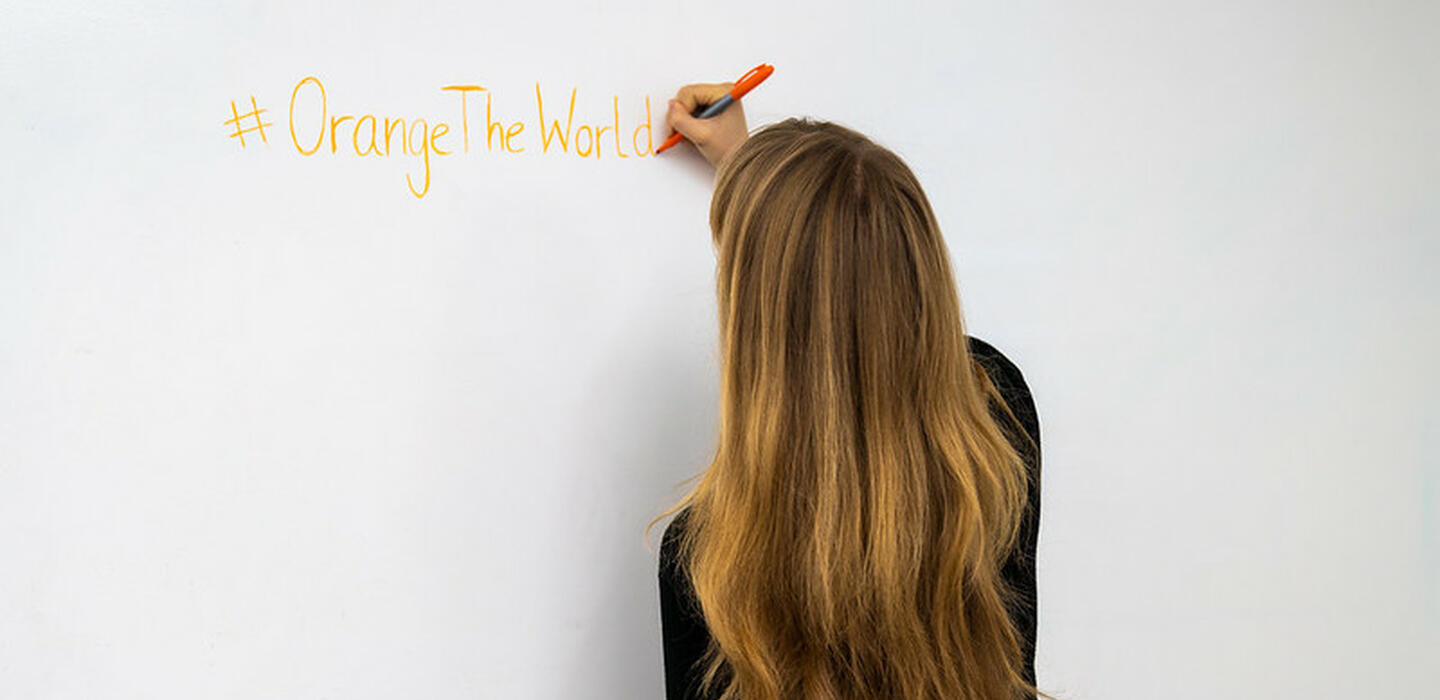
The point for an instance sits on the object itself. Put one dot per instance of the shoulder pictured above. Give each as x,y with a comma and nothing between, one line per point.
670,546
674,529
1008,378
677,593
1001,370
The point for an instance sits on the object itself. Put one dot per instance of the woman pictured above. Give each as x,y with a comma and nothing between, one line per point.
867,527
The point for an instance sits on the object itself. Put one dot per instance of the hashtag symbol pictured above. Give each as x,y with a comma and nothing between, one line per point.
254,113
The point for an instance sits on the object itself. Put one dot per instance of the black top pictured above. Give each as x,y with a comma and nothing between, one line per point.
683,630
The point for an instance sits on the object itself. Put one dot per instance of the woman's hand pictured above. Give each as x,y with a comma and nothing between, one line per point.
716,137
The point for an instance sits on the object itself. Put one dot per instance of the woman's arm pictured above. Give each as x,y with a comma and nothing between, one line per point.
683,633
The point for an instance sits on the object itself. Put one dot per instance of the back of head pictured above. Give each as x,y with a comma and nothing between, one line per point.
846,541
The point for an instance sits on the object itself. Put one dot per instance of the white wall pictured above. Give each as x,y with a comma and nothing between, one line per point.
272,427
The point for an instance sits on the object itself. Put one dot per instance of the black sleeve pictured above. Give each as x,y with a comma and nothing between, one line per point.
1019,570
684,635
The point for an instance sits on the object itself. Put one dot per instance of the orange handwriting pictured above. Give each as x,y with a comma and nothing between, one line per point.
370,135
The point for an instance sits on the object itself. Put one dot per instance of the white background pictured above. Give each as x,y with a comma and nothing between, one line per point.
271,427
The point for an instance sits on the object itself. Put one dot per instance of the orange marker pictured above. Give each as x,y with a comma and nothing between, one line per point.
745,84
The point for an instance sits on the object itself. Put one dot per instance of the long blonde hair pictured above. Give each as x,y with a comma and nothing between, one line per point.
847,539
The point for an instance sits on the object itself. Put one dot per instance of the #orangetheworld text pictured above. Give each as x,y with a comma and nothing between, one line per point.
367,135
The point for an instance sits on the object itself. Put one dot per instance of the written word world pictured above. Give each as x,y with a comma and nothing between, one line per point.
316,130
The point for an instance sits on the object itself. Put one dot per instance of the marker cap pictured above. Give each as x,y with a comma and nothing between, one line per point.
748,81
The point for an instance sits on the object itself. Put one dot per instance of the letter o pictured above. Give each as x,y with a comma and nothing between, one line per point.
589,139
324,111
